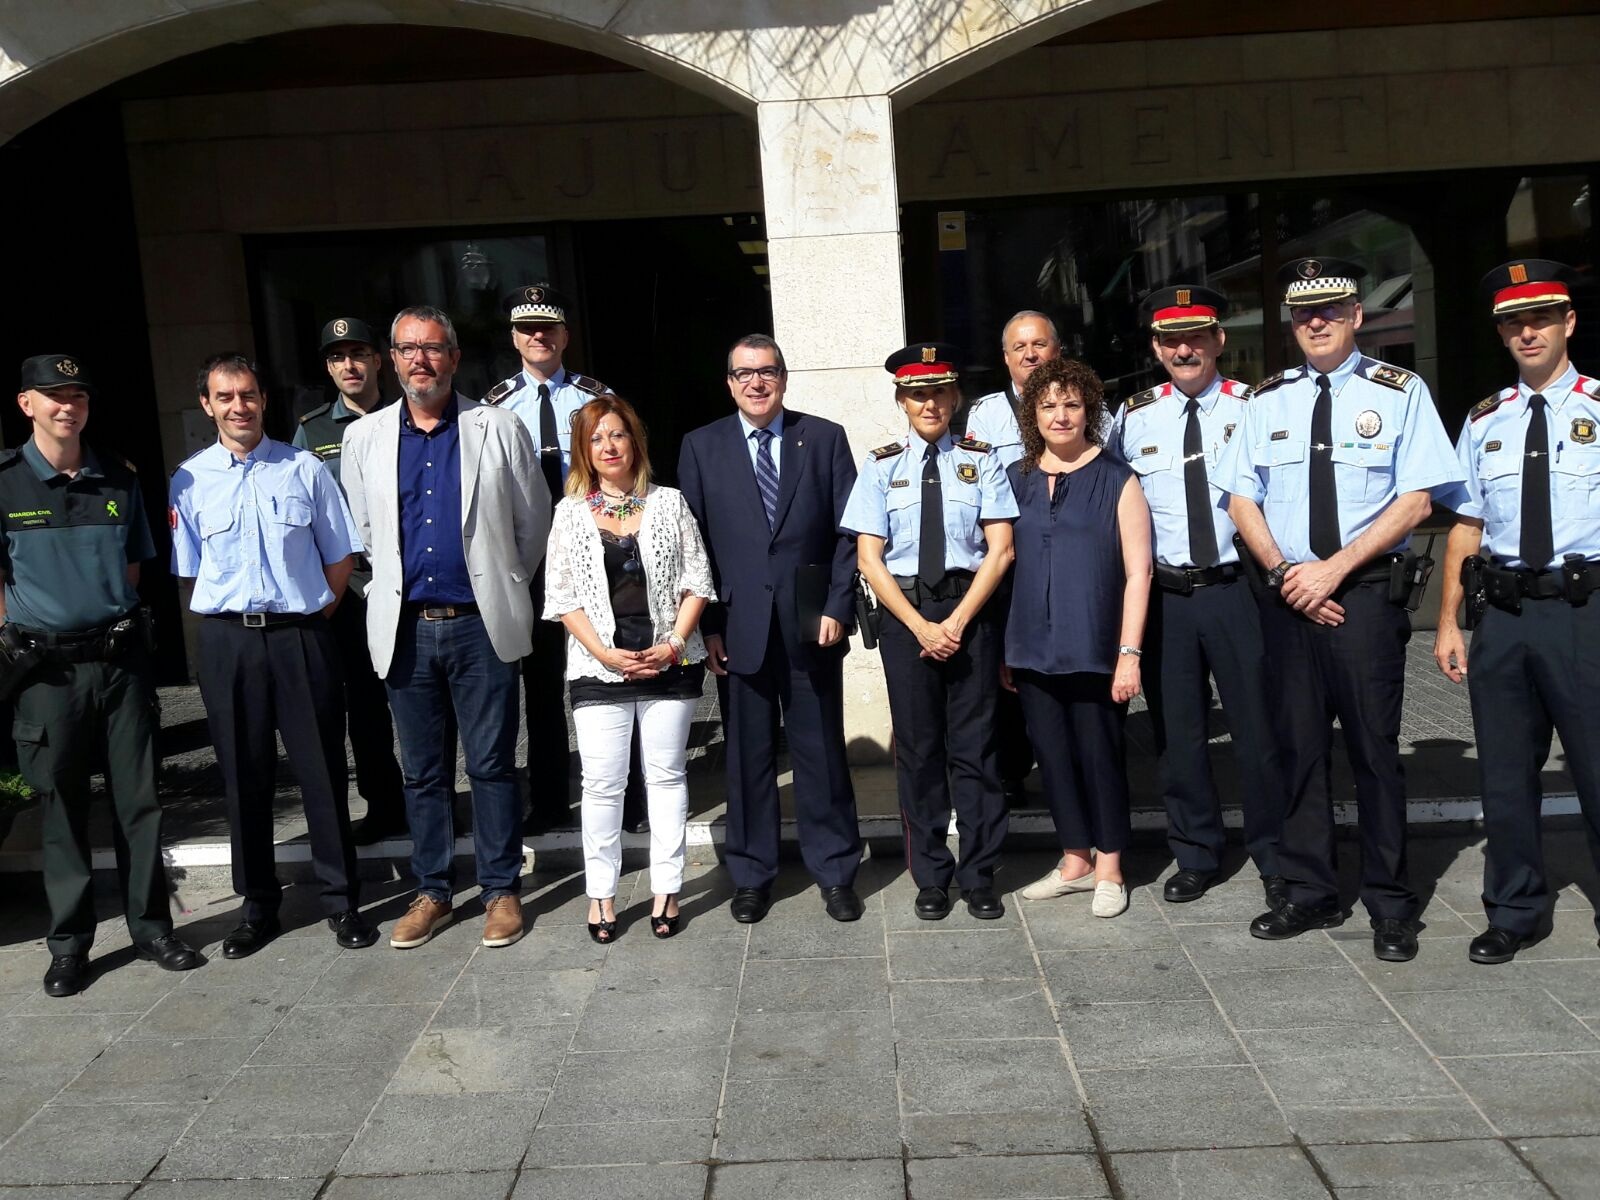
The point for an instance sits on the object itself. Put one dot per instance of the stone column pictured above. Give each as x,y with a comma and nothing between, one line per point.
833,248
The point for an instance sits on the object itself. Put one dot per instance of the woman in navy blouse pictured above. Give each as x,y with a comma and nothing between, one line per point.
1079,592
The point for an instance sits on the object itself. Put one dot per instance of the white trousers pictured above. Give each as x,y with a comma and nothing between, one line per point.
605,737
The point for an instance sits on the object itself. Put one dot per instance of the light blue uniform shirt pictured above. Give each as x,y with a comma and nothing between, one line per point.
520,394
255,535
1491,456
1387,439
1147,434
994,420
753,444
886,502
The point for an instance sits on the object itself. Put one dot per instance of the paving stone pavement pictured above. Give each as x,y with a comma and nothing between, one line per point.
1047,1055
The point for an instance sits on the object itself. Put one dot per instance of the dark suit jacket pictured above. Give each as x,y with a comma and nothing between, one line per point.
754,566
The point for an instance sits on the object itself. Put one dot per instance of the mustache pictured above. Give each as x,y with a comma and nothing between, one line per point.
1187,360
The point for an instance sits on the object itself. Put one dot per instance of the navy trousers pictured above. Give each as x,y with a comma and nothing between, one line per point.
1077,730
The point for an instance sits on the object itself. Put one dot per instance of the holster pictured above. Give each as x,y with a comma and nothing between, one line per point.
1575,580
868,618
1408,579
17,661
1472,583
1253,574
1501,590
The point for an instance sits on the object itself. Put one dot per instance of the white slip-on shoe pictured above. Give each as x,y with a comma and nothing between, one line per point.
1110,899
1051,885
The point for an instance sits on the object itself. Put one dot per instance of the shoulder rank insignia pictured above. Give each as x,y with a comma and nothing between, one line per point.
1589,387
503,389
1390,376
974,445
889,451
1267,384
588,383
316,412
1239,391
1487,405
1149,396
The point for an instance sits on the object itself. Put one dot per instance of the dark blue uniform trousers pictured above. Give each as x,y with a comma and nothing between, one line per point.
944,748
1531,672
811,705
1355,672
1213,631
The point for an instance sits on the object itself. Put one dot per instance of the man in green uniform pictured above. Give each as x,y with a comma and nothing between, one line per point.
72,535
355,364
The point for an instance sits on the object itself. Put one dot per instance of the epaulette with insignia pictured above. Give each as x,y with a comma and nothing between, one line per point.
1589,387
1389,376
1489,403
1236,389
1267,384
503,389
588,383
889,451
1149,396
316,412
974,445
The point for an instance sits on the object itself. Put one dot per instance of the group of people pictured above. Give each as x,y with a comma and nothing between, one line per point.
1060,563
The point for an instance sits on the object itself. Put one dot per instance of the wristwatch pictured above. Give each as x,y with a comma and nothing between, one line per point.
1275,576
1133,650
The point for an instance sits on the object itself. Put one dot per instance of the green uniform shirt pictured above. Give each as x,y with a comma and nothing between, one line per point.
322,431
65,543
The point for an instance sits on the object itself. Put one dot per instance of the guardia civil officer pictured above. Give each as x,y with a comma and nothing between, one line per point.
1332,467
1204,622
546,396
1529,526
932,519
264,532
354,362
72,537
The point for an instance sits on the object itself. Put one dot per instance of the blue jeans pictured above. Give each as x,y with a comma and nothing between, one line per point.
439,665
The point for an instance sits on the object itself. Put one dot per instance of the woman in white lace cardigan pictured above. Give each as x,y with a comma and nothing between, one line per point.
627,574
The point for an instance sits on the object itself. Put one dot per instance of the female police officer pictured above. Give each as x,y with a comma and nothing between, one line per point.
932,518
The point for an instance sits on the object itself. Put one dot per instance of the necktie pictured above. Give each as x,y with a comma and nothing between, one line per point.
1538,541
1196,494
930,543
549,443
1325,539
766,474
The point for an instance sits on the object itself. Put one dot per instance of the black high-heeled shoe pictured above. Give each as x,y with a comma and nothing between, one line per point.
662,925
603,931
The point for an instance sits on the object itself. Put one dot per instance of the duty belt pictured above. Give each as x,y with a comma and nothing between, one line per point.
952,586
89,645
1184,580
1573,582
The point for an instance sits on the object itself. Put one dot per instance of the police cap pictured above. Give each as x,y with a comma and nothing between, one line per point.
45,371
923,364
536,304
1184,307
347,329
1319,280
1526,283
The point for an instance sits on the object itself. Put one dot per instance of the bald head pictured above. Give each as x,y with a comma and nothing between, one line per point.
1028,341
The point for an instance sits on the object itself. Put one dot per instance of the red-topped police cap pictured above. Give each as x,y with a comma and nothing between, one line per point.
923,364
1183,307
1318,280
1526,283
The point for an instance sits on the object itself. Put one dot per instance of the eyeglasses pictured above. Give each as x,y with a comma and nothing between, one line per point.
746,374
434,350
631,565
1330,313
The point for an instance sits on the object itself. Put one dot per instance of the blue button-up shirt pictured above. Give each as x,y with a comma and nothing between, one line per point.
432,554
886,502
1492,453
566,397
255,533
994,420
1148,436
753,444
1387,440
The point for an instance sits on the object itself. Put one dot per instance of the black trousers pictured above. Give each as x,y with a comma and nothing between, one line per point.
944,749
1532,672
1355,672
811,706
1077,730
70,717
1215,631
288,678
366,703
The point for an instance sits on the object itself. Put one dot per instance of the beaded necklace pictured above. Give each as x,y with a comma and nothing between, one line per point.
617,507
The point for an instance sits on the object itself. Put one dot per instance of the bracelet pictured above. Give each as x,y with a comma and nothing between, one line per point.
1133,650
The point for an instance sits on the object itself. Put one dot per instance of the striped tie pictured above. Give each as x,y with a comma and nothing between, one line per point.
767,474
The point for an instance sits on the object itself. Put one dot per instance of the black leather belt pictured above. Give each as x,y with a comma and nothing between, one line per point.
952,586
85,645
439,612
1184,580
260,620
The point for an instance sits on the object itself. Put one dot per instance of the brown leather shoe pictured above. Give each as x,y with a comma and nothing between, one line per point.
423,917
502,921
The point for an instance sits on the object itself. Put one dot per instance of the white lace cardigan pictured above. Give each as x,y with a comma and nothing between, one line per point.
674,561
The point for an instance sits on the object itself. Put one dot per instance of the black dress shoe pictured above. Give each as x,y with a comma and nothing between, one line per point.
933,904
170,953
1495,945
842,903
350,930
67,975
1276,889
373,829
1394,939
1187,885
983,903
749,905
1294,919
250,936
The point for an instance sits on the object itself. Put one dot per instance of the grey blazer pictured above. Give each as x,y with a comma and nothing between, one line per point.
505,521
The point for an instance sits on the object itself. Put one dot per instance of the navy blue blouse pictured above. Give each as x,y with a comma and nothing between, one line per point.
1067,584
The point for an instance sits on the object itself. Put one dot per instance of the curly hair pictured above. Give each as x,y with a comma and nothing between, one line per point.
583,478
1070,375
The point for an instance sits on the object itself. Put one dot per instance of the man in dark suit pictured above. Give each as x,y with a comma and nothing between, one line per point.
769,487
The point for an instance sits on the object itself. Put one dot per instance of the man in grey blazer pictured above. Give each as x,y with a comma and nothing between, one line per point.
454,511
